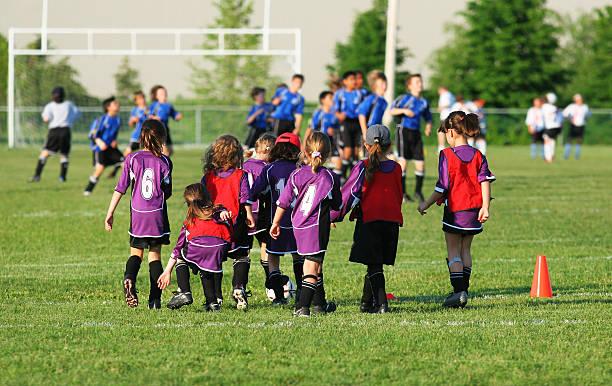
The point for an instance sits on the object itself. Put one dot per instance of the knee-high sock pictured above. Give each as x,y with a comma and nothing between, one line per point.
578,151
92,184
377,280
456,279
274,281
132,266
419,177
404,182
308,291
155,271
467,272
40,165
298,270
367,296
266,267
568,150
241,272
534,150
208,285
63,170
319,296
219,285
182,277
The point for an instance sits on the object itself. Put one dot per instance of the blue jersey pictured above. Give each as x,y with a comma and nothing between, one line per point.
105,128
418,105
373,108
364,92
347,102
164,111
261,121
141,114
322,121
290,104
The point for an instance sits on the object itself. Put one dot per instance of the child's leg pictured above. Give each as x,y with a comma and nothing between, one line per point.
402,162
568,148
241,265
298,272
263,260
274,278
309,283
578,148
183,276
367,296
40,164
208,285
455,263
377,280
155,271
93,179
219,286
419,176
132,266
466,257
63,166
319,296
534,149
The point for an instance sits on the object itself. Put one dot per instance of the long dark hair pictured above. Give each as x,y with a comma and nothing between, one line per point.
375,151
462,123
153,136
199,203
284,151
225,153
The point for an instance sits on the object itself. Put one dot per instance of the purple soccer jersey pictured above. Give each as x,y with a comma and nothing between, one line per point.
272,182
151,181
206,252
253,167
311,195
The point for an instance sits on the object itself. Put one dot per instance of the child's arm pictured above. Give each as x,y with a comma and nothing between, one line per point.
423,206
483,214
108,222
250,219
164,279
275,228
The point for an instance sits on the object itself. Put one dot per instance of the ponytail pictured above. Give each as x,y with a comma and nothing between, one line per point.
199,203
153,136
373,161
317,149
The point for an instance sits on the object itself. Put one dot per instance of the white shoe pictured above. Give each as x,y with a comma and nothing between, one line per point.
241,299
87,193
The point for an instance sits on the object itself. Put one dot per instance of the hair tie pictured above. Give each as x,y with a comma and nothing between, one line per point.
376,140
315,154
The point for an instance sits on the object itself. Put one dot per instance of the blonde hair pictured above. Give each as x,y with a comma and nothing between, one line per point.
225,153
317,149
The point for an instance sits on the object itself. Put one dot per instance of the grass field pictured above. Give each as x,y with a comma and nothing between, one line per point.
63,319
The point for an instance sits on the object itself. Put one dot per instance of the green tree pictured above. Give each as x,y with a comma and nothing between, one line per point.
503,51
228,79
126,80
586,57
365,48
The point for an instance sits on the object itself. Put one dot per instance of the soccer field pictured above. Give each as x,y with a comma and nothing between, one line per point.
63,318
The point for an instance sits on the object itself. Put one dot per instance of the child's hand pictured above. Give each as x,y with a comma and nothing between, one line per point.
409,113
483,215
250,220
275,231
422,208
164,280
225,215
108,222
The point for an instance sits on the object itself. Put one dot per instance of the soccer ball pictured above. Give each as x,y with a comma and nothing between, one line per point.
288,286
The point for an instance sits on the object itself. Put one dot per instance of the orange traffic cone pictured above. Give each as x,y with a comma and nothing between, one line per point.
540,287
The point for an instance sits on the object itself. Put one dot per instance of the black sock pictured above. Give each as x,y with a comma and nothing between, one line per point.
456,279
377,279
39,167
266,267
155,271
132,266
319,296
274,281
346,165
115,170
308,291
467,272
241,273
418,187
367,295
404,183
63,170
208,285
182,277
298,270
219,285
91,185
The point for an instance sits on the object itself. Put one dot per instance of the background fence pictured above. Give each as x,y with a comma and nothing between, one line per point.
202,124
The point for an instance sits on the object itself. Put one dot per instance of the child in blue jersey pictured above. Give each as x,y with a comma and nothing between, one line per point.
162,110
346,101
373,107
103,136
137,116
287,116
258,115
324,120
359,84
412,108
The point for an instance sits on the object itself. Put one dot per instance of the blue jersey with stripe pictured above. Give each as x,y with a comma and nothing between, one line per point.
261,121
418,105
141,114
347,102
290,104
322,121
164,111
105,128
373,108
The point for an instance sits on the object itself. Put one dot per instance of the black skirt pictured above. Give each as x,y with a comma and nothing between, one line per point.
375,242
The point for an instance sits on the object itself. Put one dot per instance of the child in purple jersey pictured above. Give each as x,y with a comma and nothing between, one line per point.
464,186
270,184
373,195
261,213
311,192
149,173
202,243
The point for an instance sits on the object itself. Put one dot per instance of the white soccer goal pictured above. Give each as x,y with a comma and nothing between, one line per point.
183,42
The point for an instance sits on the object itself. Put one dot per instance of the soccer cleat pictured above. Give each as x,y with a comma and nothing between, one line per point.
155,304
220,301
463,299
419,196
327,309
279,302
87,193
303,312
382,309
179,300
240,297
407,198
452,300
34,179
212,307
129,291
62,179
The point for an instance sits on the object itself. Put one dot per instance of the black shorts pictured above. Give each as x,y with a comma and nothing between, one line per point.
409,144
282,126
148,242
253,136
134,146
58,140
375,242
552,133
109,157
537,137
576,132
168,137
318,258
335,149
350,133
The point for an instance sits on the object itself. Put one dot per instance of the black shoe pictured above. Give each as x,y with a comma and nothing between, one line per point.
279,302
129,291
382,309
303,312
34,179
419,196
366,308
212,307
407,198
463,299
61,179
327,309
155,304
453,300
179,300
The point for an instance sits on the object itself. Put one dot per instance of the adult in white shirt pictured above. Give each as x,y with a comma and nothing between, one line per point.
577,113
535,126
59,114
480,141
553,120
446,100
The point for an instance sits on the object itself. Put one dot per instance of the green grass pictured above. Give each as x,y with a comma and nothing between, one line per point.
63,320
